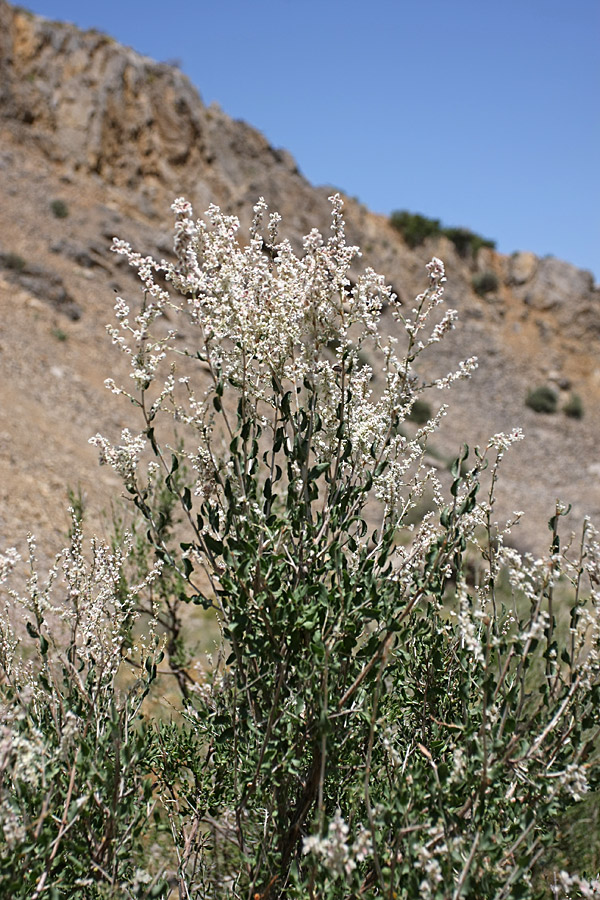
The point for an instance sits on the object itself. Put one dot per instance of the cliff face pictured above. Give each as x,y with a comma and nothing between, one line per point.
96,108
114,137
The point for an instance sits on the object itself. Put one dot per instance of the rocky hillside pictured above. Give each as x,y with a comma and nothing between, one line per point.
96,141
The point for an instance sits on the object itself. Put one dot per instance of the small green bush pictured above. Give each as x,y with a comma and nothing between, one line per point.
467,243
573,408
420,413
542,400
59,334
13,261
414,227
59,208
485,282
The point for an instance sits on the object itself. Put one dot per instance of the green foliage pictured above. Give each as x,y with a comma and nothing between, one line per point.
59,208
13,261
416,228
542,399
467,243
484,283
59,334
573,408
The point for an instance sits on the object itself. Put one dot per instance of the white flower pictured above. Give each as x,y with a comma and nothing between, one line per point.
436,269
123,458
334,850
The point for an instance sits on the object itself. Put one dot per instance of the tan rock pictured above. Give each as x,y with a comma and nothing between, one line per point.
522,267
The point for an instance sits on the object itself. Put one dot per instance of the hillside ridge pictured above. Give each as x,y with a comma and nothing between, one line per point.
114,136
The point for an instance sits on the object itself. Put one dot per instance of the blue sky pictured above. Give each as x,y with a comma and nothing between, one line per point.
482,113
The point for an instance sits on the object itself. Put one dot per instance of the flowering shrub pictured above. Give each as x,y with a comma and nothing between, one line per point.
75,790
373,723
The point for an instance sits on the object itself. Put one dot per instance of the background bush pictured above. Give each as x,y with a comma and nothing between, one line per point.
59,208
573,408
484,283
416,228
13,261
467,243
542,399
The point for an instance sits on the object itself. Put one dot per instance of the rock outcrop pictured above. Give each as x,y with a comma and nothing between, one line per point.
115,136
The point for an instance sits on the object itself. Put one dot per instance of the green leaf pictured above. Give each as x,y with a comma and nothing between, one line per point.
285,405
317,470
174,467
152,439
214,544
456,468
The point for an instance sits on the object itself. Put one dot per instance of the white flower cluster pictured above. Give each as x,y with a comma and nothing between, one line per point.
428,855
257,315
8,560
23,760
123,458
465,370
502,441
533,577
24,755
528,574
265,316
12,824
574,779
564,883
470,618
337,855
97,604
93,605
